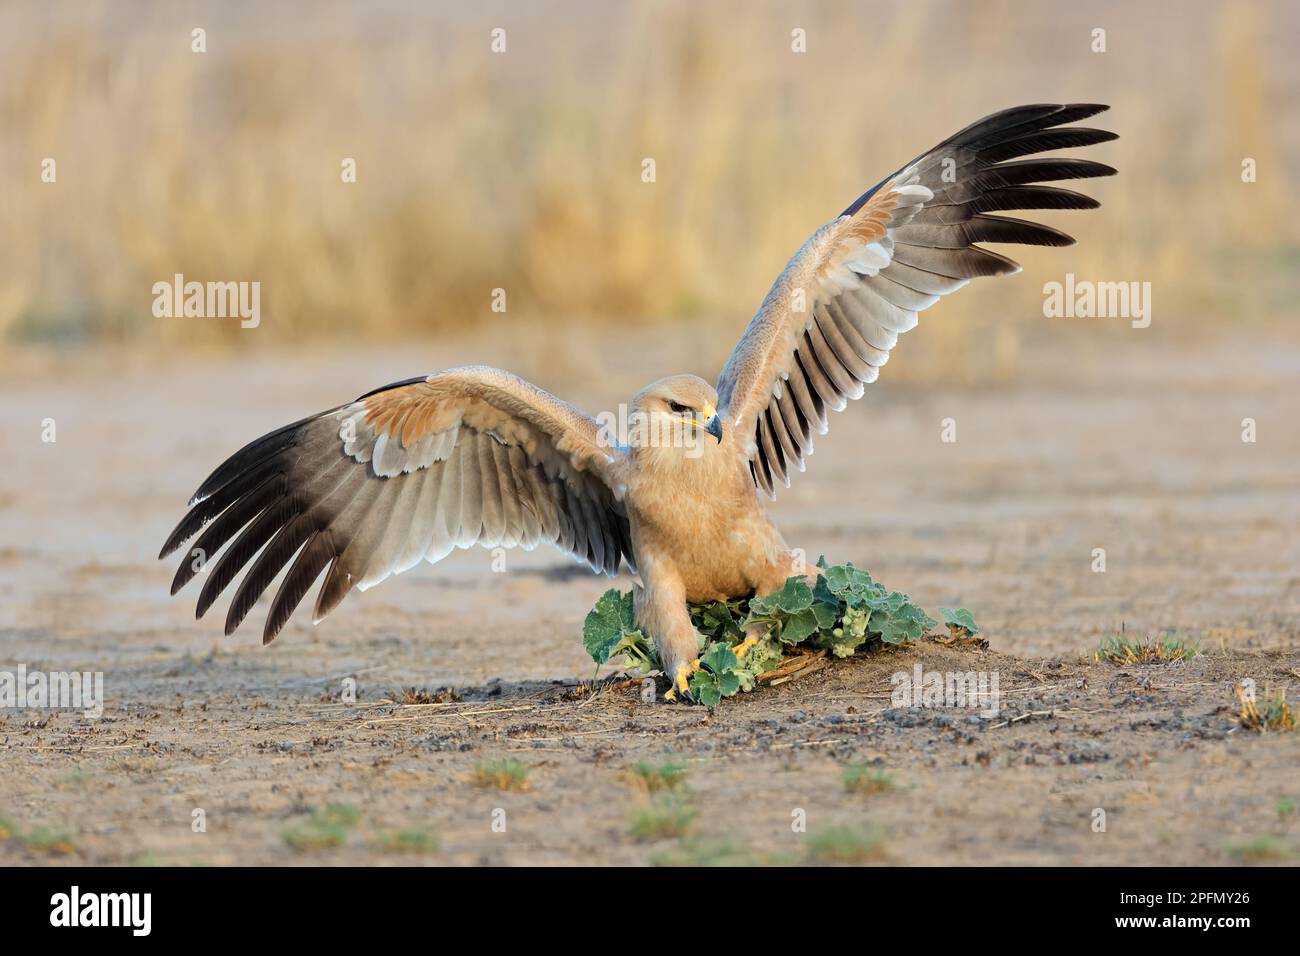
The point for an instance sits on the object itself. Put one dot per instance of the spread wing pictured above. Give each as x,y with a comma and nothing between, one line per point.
830,320
467,456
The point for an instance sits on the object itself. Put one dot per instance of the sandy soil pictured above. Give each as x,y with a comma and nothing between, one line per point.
1134,449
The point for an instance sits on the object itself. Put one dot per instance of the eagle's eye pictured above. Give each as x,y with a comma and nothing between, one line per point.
677,407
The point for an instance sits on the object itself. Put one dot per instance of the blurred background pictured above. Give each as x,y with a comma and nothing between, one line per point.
522,169
1171,450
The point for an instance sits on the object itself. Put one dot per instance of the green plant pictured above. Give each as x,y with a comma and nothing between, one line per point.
712,852
866,778
662,818
656,777
841,610
52,841
507,774
610,630
845,845
1124,649
411,840
1274,714
325,828
1260,850
959,620
721,675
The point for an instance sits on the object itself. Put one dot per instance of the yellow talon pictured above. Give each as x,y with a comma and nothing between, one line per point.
743,647
684,675
670,695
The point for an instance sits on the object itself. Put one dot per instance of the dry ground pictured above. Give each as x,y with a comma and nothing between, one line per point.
1134,448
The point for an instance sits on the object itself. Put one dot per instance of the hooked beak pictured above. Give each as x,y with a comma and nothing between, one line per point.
713,426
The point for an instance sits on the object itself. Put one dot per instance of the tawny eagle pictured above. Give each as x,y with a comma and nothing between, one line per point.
478,456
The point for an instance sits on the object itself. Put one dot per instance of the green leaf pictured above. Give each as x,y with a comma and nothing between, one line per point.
959,619
897,620
799,627
842,641
705,688
603,629
795,595
843,610
826,612
845,579
720,658
717,620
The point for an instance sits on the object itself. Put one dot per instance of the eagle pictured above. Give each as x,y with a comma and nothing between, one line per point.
478,456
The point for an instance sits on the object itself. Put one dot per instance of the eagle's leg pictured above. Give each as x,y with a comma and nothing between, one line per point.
661,611
791,564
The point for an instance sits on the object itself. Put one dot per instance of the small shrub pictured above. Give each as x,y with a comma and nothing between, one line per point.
325,829
502,775
653,778
704,853
1274,714
661,819
1123,650
51,841
1261,850
840,611
845,845
865,778
409,841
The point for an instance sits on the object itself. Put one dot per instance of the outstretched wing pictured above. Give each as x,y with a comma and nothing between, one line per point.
832,317
467,456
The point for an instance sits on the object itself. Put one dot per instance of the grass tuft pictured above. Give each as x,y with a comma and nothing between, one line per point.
661,819
505,774
51,841
704,853
866,778
325,829
1274,714
411,840
1124,649
652,777
1259,850
844,845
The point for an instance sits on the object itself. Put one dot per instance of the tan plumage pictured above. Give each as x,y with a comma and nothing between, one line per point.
477,455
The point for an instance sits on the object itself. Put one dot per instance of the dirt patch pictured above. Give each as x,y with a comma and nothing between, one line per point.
1153,746
1198,529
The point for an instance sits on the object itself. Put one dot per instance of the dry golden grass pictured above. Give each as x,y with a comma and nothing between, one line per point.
1275,714
522,170
1124,650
